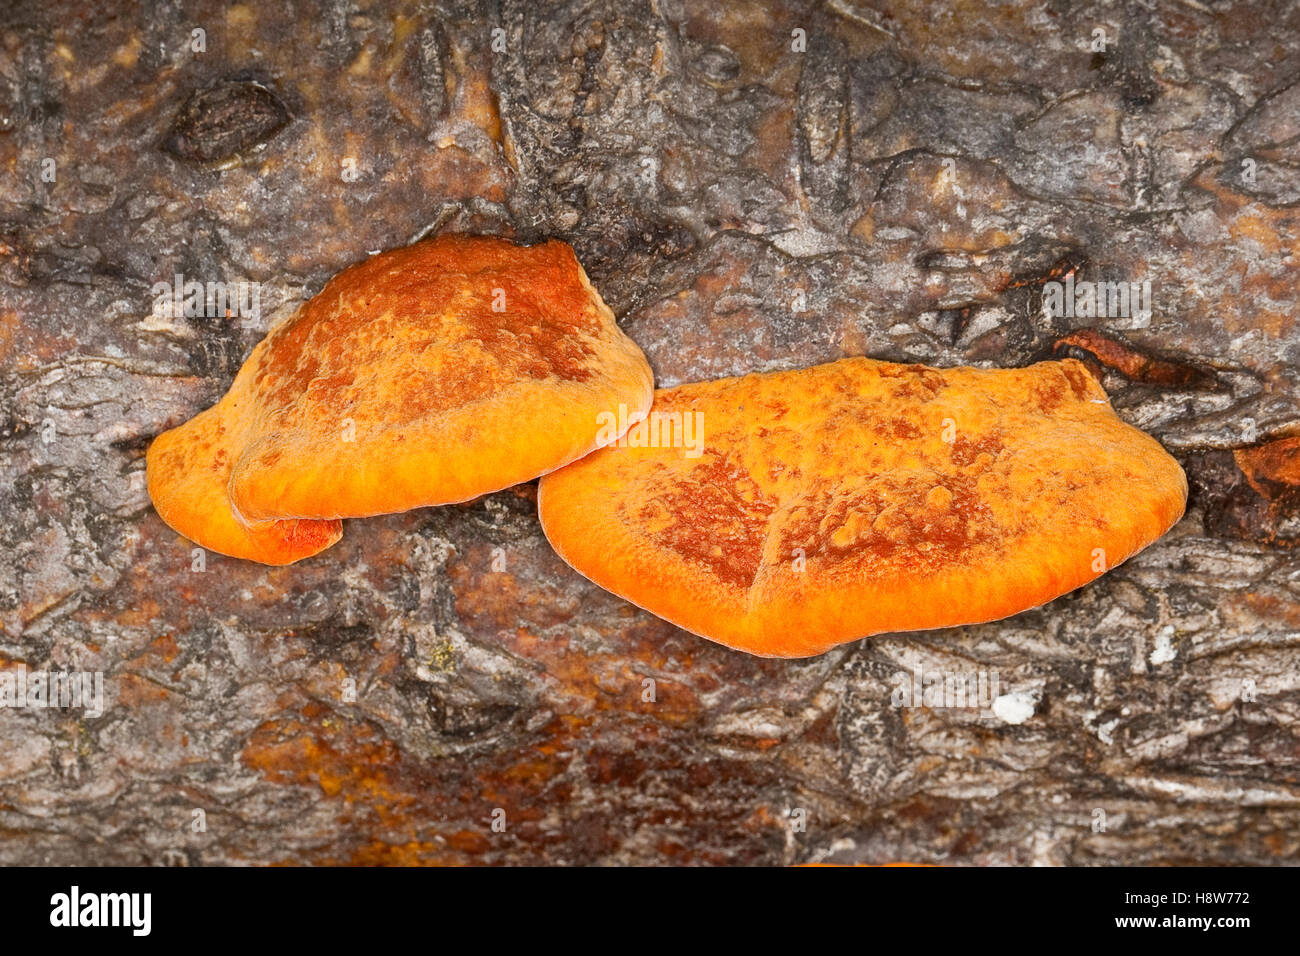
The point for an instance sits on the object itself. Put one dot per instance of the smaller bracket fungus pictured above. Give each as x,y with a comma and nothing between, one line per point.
425,375
824,505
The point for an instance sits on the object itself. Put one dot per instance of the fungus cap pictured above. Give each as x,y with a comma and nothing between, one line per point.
841,501
425,375
429,375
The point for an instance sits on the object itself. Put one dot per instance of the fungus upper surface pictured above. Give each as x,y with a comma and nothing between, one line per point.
840,501
432,374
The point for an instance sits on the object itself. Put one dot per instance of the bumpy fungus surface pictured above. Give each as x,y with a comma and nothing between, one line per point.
836,502
425,375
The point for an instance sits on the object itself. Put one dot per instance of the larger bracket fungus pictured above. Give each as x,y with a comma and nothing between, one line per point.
832,503
426,375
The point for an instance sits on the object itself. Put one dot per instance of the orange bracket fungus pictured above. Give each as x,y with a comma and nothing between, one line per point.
425,375
840,501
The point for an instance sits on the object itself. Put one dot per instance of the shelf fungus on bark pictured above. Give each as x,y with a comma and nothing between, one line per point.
788,512
425,375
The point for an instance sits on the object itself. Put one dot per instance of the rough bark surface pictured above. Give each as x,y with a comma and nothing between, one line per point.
752,185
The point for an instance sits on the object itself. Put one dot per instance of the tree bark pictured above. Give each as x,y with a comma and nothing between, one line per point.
768,187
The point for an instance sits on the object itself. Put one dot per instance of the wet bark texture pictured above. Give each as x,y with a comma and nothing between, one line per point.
763,185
